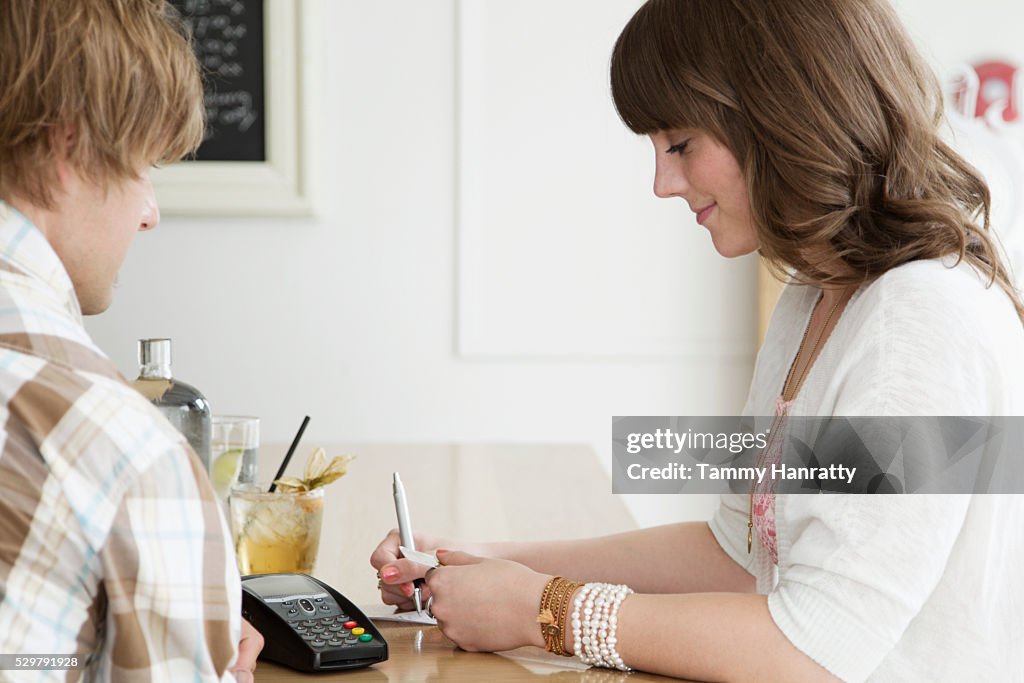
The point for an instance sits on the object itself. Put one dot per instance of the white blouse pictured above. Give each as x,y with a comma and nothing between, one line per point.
910,587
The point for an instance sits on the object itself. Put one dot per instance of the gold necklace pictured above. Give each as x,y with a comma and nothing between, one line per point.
795,390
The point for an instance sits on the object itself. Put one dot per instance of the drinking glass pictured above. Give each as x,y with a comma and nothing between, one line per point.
234,445
275,532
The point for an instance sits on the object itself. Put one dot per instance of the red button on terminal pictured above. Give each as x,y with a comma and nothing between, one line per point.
350,624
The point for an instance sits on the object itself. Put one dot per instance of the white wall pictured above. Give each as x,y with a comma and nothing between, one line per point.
951,31
352,317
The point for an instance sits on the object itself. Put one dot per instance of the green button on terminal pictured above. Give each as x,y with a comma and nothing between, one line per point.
366,637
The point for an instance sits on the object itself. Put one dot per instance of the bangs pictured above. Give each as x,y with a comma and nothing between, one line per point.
162,114
179,80
179,109
657,80
142,103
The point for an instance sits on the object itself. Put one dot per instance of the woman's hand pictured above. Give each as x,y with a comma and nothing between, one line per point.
486,605
396,573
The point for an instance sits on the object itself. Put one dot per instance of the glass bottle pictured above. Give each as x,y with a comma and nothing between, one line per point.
182,404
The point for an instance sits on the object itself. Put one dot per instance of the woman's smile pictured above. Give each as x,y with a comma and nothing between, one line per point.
702,214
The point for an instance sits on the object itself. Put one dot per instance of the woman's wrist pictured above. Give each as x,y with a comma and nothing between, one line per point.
533,633
568,643
594,624
553,613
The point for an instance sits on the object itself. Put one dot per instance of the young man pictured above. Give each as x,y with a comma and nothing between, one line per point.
112,547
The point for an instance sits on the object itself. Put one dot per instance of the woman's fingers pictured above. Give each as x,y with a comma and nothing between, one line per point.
399,600
386,551
395,574
456,557
401,570
396,591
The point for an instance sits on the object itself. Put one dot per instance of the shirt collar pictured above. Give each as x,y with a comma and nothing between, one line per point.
24,248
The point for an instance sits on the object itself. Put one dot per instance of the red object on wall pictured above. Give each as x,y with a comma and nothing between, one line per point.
999,85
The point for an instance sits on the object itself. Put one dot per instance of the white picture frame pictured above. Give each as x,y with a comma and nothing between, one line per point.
278,186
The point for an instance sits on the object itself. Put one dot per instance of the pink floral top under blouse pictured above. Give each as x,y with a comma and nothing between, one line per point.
763,503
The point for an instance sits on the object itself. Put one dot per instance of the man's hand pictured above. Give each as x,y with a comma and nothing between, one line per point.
249,648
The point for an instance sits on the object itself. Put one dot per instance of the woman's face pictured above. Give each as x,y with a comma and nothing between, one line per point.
690,164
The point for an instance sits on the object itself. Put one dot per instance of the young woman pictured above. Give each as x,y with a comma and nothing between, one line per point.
806,130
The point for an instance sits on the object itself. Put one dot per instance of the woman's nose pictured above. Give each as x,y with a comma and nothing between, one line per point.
668,181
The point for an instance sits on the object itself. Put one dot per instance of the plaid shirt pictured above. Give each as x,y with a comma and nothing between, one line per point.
112,545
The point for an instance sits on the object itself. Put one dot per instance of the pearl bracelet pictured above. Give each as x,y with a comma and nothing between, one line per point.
594,623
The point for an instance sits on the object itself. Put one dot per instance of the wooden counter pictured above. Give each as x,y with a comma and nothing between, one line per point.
474,492
421,653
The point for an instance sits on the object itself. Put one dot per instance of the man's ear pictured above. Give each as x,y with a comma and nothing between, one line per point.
62,139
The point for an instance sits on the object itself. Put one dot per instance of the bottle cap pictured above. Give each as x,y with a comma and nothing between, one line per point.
155,357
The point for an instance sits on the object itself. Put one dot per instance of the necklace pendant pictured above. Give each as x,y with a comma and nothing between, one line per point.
750,536
782,406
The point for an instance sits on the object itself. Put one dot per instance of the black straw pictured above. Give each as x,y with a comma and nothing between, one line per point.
288,455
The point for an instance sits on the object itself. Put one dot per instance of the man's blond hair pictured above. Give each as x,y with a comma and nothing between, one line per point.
118,75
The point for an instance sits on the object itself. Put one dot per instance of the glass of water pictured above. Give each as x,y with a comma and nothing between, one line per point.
234,445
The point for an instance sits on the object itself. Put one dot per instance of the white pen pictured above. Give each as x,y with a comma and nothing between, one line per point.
405,534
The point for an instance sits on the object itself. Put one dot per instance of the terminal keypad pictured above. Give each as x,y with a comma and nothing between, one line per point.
334,631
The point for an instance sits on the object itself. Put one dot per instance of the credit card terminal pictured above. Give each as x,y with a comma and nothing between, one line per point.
309,626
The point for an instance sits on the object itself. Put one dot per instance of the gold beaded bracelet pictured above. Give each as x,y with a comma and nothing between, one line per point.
554,608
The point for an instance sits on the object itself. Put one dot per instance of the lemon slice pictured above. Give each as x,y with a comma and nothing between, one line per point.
224,472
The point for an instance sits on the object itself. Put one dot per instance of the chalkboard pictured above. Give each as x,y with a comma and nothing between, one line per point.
227,36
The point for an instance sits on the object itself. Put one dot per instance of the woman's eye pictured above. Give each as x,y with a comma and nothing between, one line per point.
678,149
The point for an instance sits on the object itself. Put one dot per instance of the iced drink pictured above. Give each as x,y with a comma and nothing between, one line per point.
275,532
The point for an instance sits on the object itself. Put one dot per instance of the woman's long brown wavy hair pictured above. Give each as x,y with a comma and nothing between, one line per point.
834,118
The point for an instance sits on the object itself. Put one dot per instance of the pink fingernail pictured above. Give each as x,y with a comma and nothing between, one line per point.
407,589
389,572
